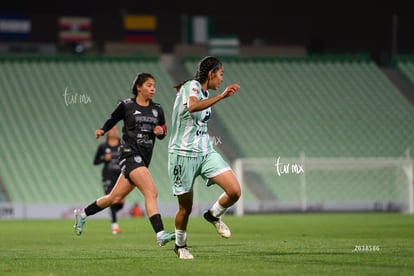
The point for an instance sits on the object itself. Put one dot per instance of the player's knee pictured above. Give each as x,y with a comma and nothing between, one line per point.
117,200
235,194
185,211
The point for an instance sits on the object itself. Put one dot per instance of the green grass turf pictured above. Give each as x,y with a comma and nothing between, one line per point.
279,244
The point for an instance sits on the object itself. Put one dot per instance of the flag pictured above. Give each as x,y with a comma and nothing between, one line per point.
15,26
140,28
74,29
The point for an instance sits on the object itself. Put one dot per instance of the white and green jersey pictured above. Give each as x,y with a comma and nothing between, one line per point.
189,135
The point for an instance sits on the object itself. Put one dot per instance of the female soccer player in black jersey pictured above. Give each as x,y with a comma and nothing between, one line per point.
143,122
107,154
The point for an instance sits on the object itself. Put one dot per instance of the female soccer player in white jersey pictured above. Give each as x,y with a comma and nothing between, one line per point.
191,154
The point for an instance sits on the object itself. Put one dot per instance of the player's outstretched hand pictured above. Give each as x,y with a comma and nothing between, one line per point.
230,90
99,133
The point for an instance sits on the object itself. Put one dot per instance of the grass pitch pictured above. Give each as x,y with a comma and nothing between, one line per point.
280,244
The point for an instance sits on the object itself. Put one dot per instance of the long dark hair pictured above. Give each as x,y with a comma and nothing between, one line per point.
139,80
207,64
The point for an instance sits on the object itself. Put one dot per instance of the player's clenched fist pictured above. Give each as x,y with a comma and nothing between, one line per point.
231,89
99,133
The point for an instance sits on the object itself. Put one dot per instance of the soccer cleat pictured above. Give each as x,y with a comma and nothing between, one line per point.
183,252
116,230
79,222
221,228
165,237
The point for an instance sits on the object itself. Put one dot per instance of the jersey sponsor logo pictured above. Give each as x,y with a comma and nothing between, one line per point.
143,139
146,119
201,132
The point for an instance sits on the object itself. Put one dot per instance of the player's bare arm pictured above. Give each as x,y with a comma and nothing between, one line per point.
194,104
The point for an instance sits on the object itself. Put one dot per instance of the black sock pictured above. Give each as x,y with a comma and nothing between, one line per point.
114,209
208,216
117,207
120,206
156,223
92,209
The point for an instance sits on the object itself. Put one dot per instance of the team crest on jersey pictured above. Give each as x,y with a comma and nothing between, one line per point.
155,112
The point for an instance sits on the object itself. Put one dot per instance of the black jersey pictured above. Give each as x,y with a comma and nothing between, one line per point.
111,168
138,131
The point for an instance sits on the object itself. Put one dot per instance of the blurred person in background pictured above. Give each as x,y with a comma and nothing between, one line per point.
136,211
107,154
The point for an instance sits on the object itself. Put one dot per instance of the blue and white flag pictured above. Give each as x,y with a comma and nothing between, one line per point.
14,26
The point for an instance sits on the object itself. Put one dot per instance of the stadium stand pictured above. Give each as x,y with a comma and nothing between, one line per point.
406,66
50,110
322,107
326,106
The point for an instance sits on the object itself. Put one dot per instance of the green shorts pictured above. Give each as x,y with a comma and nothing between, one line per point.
183,170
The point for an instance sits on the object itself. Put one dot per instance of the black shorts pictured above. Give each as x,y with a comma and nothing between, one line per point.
109,182
128,164
108,185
